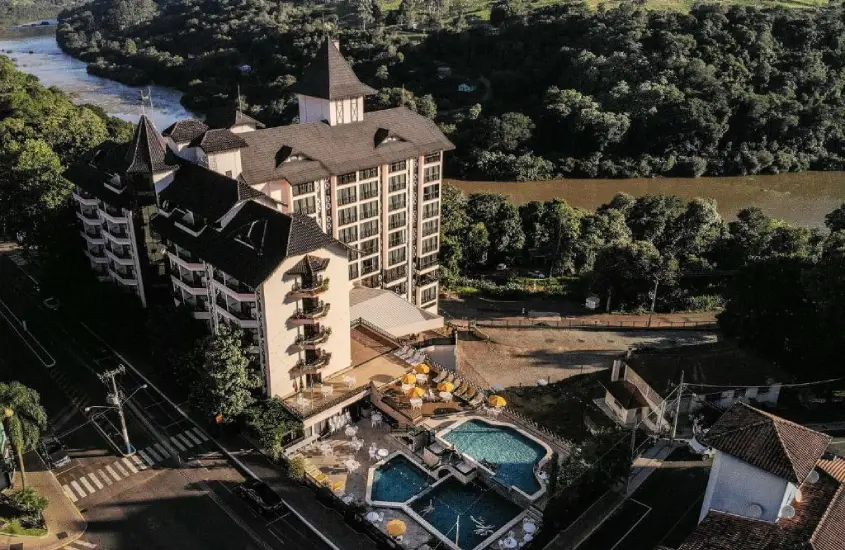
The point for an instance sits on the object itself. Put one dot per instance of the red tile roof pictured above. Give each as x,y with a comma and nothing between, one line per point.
785,449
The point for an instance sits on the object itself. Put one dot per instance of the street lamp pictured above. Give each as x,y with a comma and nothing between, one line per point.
117,404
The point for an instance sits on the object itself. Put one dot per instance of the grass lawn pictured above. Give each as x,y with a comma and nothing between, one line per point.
14,527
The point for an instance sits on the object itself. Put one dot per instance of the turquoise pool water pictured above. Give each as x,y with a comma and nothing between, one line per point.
473,503
515,454
397,480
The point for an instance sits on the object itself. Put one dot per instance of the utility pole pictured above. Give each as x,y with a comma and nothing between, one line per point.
653,300
114,399
678,407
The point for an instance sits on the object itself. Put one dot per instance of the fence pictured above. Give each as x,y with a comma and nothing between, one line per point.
641,324
564,446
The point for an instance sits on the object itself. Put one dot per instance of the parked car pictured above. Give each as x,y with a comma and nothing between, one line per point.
260,495
537,274
54,453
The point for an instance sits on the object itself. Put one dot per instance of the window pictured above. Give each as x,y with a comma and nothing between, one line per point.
433,157
398,166
429,245
347,178
428,261
370,265
397,238
368,229
353,271
228,173
396,202
348,215
395,274
432,173
369,247
308,205
349,234
346,195
431,192
302,188
369,173
429,295
396,256
430,227
431,209
398,182
397,220
400,289
340,111
369,210
369,190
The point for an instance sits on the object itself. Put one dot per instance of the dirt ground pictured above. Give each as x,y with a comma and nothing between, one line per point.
520,357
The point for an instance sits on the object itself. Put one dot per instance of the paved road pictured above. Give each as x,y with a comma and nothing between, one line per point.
175,493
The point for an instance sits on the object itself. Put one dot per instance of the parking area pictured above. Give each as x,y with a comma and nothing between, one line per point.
663,511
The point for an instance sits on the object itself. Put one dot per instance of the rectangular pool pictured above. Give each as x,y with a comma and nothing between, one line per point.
397,480
476,506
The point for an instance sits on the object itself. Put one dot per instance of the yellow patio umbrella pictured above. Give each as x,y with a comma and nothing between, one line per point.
497,401
396,527
338,485
446,386
422,368
416,391
409,378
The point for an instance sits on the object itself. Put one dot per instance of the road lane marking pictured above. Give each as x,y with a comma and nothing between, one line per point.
130,465
177,443
87,485
120,468
162,451
193,438
112,473
105,477
139,463
185,441
634,526
153,454
79,490
69,493
201,435
85,544
96,480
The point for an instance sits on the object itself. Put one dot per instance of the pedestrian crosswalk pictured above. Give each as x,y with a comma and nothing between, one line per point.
81,485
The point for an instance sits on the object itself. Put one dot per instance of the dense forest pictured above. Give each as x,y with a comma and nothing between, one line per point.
13,12
557,91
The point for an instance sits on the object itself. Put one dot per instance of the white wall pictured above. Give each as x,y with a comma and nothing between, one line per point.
227,161
313,109
735,485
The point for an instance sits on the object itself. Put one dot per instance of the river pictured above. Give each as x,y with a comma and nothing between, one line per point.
802,198
34,50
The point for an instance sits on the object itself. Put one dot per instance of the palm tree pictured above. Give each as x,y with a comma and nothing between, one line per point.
24,420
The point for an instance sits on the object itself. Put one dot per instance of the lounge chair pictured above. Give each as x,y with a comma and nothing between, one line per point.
417,358
441,376
450,377
477,400
403,352
470,394
459,384
461,390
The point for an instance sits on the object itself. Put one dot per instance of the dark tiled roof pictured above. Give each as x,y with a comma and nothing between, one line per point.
834,466
785,449
106,165
147,152
253,243
627,394
720,363
339,149
228,117
218,140
830,534
330,77
184,131
721,531
203,191
308,265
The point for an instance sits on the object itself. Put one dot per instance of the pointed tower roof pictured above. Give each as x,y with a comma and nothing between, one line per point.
147,153
330,77
778,446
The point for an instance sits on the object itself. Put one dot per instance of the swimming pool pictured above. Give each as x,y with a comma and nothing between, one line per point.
513,453
475,505
397,480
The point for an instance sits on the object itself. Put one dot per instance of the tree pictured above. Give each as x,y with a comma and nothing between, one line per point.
604,228
225,377
835,221
694,232
652,217
28,502
382,73
564,223
273,424
627,272
24,419
505,134
501,218
477,245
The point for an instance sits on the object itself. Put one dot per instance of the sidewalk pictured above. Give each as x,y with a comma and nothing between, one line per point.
64,522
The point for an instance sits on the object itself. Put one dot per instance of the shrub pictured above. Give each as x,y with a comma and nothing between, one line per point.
296,467
272,424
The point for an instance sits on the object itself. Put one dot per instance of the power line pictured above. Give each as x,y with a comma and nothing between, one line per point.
737,387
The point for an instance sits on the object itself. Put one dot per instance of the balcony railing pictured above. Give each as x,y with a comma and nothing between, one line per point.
397,224
309,341
395,274
125,278
114,215
116,232
427,262
311,314
316,363
309,288
247,314
366,269
84,198
238,291
93,237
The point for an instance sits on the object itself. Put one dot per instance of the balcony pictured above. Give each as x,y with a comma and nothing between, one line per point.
395,274
89,217
311,315
191,285
308,289
237,291
96,256
241,318
199,310
117,235
84,198
427,263
93,237
305,341
314,364
122,257
428,278
127,279
114,215
185,260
